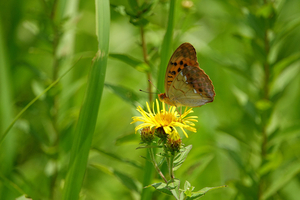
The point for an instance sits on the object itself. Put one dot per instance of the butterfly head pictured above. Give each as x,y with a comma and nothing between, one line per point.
163,98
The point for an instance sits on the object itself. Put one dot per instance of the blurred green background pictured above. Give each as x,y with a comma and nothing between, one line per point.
248,138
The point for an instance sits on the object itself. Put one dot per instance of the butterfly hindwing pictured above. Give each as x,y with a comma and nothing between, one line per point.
191,87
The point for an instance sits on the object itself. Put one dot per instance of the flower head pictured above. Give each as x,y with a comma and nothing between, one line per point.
166,119
173,142
147,135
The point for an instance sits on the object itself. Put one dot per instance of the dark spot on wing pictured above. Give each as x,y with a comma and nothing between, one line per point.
181,62
179,69
185,64
175,63
173,72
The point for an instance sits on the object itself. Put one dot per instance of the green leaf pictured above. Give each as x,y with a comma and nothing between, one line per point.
287,28
119,9
128,139
119,158
133,4
162,187
284,175
271,163
23,197
174,185
139,21
234,132
188,189
38,88
124,93
203,191
187,185
197,168
282,81
238,160
11,185
135,63
282,64
286,134
266,11
170,188
126,180
181,156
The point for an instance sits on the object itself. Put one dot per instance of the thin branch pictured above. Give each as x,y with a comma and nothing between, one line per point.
155,165
145,54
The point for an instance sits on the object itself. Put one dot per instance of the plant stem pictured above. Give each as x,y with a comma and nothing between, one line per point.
266,97
56,65
145,55
171,172
155,164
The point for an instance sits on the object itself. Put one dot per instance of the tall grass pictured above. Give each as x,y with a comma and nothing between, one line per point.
88,115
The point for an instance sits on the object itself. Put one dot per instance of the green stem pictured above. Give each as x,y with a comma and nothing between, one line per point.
264,144
155,164
171,172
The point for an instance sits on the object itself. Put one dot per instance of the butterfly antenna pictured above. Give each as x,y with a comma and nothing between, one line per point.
154,86
147,92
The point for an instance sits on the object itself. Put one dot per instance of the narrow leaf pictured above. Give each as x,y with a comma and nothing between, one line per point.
119,158
126,180
168,188
127,139
202,192
181,157
135,63
162,187
124,93
282,179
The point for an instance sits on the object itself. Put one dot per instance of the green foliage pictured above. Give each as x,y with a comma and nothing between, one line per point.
58,141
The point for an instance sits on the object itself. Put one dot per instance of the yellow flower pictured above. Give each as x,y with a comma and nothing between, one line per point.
167,119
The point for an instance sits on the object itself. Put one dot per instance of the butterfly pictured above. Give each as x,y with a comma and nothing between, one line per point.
186,84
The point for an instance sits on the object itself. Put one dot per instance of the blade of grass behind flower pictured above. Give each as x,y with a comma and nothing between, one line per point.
88,114
166,47
6,115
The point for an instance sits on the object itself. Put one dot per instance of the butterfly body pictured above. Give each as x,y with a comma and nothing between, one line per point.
186,84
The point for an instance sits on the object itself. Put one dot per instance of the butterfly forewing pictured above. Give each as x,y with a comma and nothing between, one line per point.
184,55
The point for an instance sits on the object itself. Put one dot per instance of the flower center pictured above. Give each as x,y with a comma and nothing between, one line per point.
165,119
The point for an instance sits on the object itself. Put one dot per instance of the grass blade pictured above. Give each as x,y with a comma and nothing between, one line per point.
166,47
88,114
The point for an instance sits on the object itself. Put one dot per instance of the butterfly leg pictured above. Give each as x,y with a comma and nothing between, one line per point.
178,111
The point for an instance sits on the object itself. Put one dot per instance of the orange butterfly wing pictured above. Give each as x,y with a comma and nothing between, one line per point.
184,55
185,83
